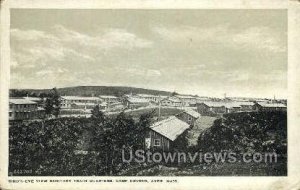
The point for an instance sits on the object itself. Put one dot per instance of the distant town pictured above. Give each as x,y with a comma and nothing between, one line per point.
33,107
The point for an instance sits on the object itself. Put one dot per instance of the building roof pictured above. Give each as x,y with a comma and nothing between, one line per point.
261,100
192,113
231,104
185,96
170,128
203,98
84,104
106,96
163,96
214,104
114,103
104,104
173,99
147,95
89,104
79,98
271,105
20,101
137,100
127,95
32,98
246,103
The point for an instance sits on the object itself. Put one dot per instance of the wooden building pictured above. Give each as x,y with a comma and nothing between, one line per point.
171,102
187,100
202,99
68,101
232,107
88,106
150,97
269,106
246,106
221,107
109,99
23,109
211,107
134,102
40,101
162,135
189,116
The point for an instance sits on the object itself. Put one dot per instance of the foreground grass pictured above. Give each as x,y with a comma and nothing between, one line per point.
215,169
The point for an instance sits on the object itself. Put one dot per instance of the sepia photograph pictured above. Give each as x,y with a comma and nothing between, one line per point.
148,92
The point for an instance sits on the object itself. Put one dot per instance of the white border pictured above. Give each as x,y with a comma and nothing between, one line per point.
290,182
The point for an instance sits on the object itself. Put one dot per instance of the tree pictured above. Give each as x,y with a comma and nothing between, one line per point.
246,132
53,103
142,126
56,102
48,106
53,148
174,93
18,93
112,135
48,150
97,114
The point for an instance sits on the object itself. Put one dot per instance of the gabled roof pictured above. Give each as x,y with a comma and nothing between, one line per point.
89,104
246,103
192,113
103,104
147,95
106,96
185,96
271,105
173,99
214,104
170,128
163,96
20,101
231,104
137,100
35,99
84,104
79,98
203,98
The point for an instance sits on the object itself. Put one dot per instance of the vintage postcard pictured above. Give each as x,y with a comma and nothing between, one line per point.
150,95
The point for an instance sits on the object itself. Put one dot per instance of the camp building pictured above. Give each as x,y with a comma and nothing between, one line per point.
163,134
189,116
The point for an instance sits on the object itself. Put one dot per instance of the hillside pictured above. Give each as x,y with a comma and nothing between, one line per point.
89,91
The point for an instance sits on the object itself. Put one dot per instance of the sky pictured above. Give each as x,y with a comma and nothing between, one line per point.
203,52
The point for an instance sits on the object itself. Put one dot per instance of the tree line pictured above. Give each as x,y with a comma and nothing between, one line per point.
247,132
55,147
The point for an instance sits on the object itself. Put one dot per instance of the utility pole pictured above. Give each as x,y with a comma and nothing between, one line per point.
159,102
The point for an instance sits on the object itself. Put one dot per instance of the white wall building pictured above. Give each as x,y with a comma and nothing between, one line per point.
67,101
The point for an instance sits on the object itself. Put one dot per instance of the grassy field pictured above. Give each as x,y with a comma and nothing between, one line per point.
217,169
202,123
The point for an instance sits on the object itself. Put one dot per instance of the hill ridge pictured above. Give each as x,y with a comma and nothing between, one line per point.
92,91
